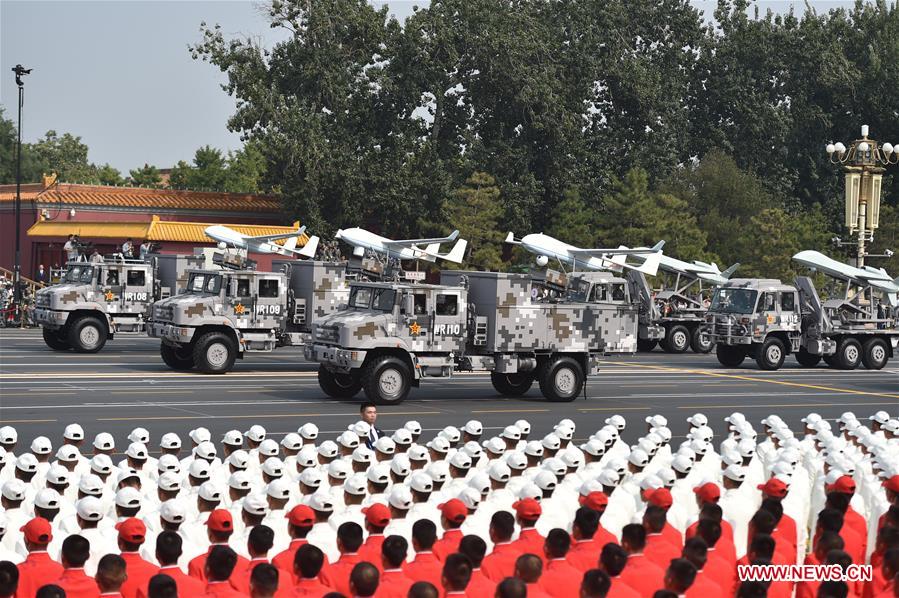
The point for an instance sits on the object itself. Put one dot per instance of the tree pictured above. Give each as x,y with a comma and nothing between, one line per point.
573,221
107,175
66,155
31,169
241,172
475,210
147,176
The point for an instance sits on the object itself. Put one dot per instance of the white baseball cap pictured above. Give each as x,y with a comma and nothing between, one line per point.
255,504
57,474
210,492
104,441
499,471
13,490
551,441
525,426
516,460
400,465
361,428
128,497
461,460
239,459
736,473
8,435
379,473
292,441
356,484
667,476
309,431
594,448
256,433
233,438
400,497
682,463
339,469
205,450
199,435
746,447
311,478
480,481
239,480
170,440
26,462
168,463
413,426
530,490
545,480
656,421
533,448
89,508
68,453
732,457
328,449
41,446
273,466
638,457
308,456
47,498
555,465
451,433
782,468
320,501
362,454
811,419
348,440
608,477
698,419
617,421
269,448
141,435
564,432
495,445
73,432
572,459
439,444
91,485
199,469
173,511
278,489
421,482
590,486
439,471
473,427
169,481
511,433
417,452
881,417
402,437
470,497
137,450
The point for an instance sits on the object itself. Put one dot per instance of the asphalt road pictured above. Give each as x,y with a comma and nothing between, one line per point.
127,385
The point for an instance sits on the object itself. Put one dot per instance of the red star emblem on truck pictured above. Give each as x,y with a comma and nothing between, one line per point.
414,329
108,295
239,309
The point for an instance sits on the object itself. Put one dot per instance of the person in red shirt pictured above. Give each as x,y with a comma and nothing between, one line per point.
308,563
75,552
452,515
132,533
856,542
723,542
455,576
679,576
219,565
661,497
264,582
300,520
713,511
762,551
891,487
500,563
162,584
425,566
529,569
658,548
474,548
846,485
640,573
349,539
720,568
887,538
364,580
259,542
786,547
168,551
584,551
393,582
889,571
559,578
527,512
38,568
831,520
598,501
111,575
219,527
696,551
377,516
823,545
596,584
842,558
612,561
786,526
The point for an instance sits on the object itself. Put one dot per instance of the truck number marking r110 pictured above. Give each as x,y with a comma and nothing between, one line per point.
448,329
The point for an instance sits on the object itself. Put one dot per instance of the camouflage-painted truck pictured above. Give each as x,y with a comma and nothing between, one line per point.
97,300
393,335
224,314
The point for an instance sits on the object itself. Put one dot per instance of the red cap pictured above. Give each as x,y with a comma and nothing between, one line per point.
774,488
377,514
527,509
892,484
301,516
38,531
454,510
843,485
708,492
660,497
220,520
595,501
132,530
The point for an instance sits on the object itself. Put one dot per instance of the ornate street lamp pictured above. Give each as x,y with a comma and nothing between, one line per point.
863,165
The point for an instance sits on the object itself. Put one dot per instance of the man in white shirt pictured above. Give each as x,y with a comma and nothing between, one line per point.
369,414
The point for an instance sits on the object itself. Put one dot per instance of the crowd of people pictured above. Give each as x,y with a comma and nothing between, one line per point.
456,514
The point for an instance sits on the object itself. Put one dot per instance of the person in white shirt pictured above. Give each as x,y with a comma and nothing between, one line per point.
369,414
321,534
399,501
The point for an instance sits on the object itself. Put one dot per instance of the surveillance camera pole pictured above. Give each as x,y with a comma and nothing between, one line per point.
20,72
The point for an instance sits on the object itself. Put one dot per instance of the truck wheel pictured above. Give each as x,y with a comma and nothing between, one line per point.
771,354
807,359
177,358
646,345
386,381
87,334
561,380
875,354
831,360
730,356
56,339
214,353
701,342
677,339
337,385
849,354
511,385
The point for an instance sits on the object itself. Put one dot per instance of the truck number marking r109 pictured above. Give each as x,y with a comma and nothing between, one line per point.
270,309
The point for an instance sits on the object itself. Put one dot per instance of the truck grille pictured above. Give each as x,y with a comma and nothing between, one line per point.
327,334
164,313
42,300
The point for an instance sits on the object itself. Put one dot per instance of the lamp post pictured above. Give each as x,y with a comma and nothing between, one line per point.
20,72
863,165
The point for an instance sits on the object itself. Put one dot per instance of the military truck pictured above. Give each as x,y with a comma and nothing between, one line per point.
97,300
766,319
394,334
225,314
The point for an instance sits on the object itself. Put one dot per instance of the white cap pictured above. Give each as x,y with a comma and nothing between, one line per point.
533,448
545,480
461,460
473,427
495,445
170,440
451,433
638,457
309,431
362,454
417,452
667,476
256,433
91,485
47,498
26,462
618,464
651,482
782,468
141,435
516,460
400,465
605,437
13,490
356,484
881,417
385,445
736,473
470,497
73,432
379,473
348,440
308,456
233,438
413,426
339,469
698,419
608,477
811,419
663,433
551,441
617,421
239,480
278,489
89,508
703,433
255,504
169,481
41,446
292,441
320,501
239,459
847,416
173,511
273,466
104,441
438,470
682,463
555,465
328,449
421,482
732,457
480,481
590,486
525,426
311,477
168,463
57,474
511,433
530,490
400,497
205,450
789,455
8,435
746,447
68,453
402,436
656,421
361,428
564,432
199,435
269,448
210,492
499,471
137,450
473,450
439,444
199,469
594,448
735,418
128,497
572,459
892,426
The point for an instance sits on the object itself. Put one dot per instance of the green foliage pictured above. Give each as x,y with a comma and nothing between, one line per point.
240,172
573,220
147,176
107,175
66,155
475,210
31,169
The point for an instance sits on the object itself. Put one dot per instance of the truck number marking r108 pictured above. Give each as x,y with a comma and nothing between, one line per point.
136,297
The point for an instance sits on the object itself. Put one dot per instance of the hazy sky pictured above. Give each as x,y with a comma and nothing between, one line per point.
118,73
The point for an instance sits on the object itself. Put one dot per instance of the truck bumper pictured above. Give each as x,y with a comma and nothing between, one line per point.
731,340
50,318
181,335
334,356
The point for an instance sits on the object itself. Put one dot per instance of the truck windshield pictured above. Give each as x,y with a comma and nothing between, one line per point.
204,283
79,274
360,297
579,291
383,300
734,301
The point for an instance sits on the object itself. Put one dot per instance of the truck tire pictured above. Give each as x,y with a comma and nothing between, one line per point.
56,339
87,334
831,361
875,354
214,353
730,356
807,359
646,345
701,342
511,385
561,380
849,353
386,381
177,358
337,385
677,339
771,354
